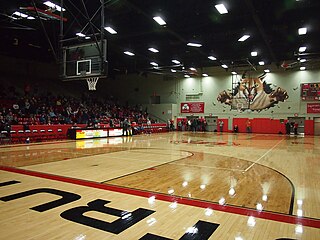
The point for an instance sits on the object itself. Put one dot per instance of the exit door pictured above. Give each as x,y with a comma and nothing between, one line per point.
212,123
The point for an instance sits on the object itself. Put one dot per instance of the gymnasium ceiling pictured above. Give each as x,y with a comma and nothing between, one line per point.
272,25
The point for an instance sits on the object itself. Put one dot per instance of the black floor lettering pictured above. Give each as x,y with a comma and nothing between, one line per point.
150,236
67,197
126,219
9,183
200,231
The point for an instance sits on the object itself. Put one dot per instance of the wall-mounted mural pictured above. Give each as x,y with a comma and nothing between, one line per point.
252,93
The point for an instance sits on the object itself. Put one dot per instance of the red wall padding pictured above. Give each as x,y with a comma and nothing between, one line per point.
309,127
241,122
258,125
225,125
268,125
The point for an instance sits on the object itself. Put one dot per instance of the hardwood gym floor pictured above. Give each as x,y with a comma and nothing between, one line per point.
177,185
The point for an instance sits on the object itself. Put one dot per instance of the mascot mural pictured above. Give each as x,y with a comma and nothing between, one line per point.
253,93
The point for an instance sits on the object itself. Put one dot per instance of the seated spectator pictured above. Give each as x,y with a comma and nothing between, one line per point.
26,127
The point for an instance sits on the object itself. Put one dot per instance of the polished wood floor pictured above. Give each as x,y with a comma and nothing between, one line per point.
177,185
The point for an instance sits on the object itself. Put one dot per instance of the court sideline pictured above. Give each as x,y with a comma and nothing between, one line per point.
227,186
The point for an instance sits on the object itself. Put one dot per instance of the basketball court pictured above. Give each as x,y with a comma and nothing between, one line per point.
177,185
173,185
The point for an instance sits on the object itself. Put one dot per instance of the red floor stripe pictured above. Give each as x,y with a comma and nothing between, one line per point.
34,144
191,202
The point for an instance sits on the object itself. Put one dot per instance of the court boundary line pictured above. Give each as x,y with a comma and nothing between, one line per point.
255,162
291,206
34,144
145,169
304,221
203,166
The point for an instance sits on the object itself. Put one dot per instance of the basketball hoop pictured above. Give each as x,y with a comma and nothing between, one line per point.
92,82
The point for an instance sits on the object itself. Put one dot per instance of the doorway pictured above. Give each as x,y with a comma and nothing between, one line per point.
211,123
317,126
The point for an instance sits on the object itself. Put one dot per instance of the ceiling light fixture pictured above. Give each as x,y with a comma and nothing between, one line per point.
267,70
154,64
186,76
19,14
176,61
129,53
234,73
110,30
254,54
243,38
80,34
224,66
172,70
212,58
302,68
194,44
205,75
159,20
193,69
302,49
153,50
221,8
303,60
261,63
53,6
302,31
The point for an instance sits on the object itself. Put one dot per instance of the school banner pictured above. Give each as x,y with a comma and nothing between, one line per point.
313,107
192,107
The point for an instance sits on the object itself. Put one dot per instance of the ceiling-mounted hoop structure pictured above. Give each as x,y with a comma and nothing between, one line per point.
85,52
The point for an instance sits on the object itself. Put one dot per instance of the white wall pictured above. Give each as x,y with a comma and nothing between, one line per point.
138,89
163,112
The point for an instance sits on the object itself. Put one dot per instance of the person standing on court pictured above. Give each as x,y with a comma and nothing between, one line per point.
295,128
288,128
221,125
248,126
125,126
235,129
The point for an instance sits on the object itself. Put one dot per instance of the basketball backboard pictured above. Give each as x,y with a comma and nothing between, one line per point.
84,60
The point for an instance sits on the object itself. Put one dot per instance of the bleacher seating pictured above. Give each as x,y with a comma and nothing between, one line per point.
39,133
48,117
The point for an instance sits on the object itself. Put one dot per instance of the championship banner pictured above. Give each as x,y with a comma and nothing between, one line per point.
192,107
313,107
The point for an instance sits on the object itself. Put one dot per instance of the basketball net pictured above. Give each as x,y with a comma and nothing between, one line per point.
92,82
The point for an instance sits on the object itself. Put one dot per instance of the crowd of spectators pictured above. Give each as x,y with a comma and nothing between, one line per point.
194,125
32,108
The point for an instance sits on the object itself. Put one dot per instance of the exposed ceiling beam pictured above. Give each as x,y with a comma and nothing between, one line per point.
258,23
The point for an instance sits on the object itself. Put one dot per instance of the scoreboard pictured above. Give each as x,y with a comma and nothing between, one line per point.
310,91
